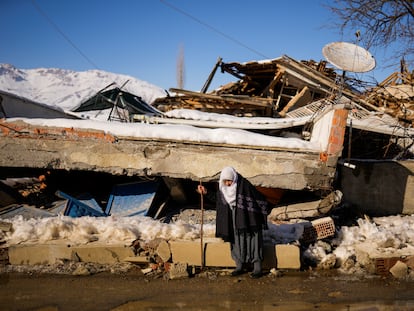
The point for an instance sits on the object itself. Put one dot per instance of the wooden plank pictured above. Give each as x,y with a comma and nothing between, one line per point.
246,100
269,90
294,100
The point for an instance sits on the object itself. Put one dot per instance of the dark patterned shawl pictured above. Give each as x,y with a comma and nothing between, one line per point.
251,211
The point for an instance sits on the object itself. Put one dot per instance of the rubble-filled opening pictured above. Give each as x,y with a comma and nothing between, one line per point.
44,189
38,186
161,198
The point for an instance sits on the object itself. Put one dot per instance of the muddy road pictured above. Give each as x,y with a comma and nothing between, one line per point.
209,290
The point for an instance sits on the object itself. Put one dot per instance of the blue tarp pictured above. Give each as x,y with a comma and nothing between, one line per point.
130,199
78,208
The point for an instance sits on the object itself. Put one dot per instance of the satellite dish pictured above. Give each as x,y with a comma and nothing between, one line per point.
348,57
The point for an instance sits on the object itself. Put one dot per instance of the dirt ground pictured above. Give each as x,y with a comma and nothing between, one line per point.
208,290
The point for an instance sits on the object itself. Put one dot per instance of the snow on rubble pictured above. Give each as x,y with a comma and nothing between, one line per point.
384,236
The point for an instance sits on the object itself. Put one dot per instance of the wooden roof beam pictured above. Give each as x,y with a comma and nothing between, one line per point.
269,90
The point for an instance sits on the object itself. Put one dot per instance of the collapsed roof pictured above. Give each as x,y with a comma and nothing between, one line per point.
122,104
395,95
268,88
272,88
286,88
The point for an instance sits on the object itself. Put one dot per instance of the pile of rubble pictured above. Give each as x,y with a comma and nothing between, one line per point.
395,95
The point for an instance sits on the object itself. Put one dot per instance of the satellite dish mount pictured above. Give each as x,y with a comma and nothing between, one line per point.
348,57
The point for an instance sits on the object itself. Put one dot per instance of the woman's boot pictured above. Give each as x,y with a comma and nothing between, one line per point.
257,270
238,270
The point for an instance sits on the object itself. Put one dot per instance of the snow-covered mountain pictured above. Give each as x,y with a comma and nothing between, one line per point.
66,89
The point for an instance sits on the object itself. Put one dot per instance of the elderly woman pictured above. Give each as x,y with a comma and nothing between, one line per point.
241,219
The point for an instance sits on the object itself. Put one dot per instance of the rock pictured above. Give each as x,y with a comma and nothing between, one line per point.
81,270
178,271
335,294
146,270
399,270
163,251
328,262
275,273
5,226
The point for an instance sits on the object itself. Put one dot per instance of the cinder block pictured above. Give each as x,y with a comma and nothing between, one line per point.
318,229
287,256
186,251
218,255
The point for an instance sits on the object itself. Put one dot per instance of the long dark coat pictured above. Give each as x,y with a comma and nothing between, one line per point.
251,211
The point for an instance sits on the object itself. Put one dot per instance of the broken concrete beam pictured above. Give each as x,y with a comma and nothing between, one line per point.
294,211
311,209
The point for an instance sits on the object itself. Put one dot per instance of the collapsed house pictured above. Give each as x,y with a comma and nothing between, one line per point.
379,122
289,127
302,119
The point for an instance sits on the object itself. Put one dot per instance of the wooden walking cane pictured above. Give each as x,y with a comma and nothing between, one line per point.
201,228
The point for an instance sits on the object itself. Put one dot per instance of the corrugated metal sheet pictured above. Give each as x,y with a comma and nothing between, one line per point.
25,211
78,208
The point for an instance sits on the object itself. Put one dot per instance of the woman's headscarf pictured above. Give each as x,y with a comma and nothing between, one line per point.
229,192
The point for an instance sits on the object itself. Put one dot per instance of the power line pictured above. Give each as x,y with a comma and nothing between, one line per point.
37,7
212,28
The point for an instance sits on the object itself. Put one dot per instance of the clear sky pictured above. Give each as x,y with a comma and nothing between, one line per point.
143,38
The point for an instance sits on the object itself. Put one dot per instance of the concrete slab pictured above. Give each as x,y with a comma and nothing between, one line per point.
186,251
42,254
271,167
218,255
50,253
106,254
